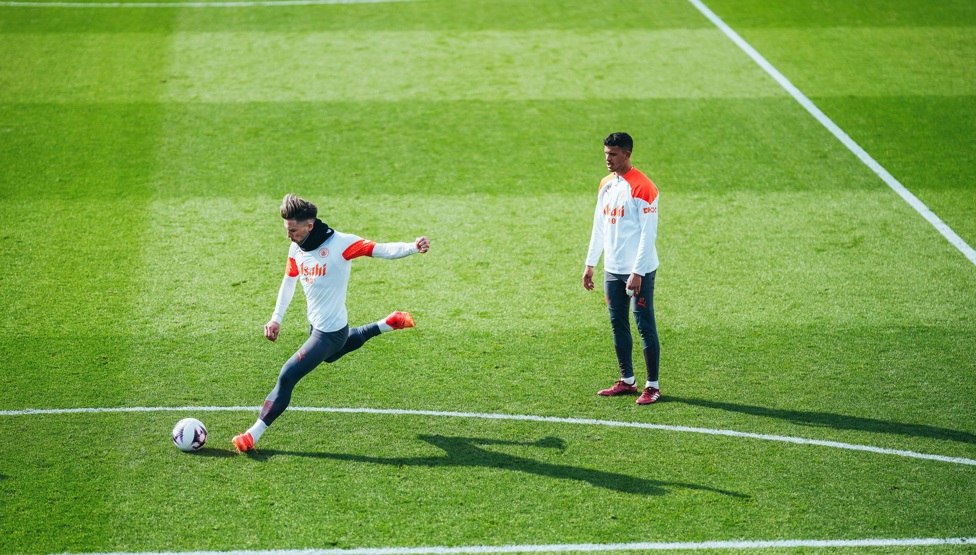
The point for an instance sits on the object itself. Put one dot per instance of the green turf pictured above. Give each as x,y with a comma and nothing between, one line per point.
897,76
388,480
143,154
363,66
422,15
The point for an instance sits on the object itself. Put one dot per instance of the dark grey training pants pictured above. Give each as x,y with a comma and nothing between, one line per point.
320,347
615,287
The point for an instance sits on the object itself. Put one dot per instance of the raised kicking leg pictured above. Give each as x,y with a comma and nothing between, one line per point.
320,347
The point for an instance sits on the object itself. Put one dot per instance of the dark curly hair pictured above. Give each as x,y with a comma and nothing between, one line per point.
622,140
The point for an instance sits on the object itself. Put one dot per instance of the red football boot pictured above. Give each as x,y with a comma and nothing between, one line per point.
243,442
619,388
399,320
650,395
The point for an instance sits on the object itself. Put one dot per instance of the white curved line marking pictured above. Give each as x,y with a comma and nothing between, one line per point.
526,417
237,4
589,547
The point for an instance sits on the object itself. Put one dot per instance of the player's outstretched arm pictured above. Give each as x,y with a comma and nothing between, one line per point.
387,250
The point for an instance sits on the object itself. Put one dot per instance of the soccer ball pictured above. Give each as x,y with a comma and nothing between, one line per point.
189,434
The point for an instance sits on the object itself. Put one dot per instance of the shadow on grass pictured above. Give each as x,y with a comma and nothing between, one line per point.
836,421
214,452
466,451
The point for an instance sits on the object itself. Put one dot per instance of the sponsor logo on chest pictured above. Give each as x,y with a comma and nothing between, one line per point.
613,213
312,266
617,198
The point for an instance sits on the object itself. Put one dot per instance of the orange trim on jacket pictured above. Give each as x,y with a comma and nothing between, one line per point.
640,185
362,247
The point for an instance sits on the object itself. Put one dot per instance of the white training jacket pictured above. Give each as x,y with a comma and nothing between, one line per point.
625,225
324,274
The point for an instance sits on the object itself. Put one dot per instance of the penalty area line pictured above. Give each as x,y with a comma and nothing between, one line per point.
527,418
588,547
844,138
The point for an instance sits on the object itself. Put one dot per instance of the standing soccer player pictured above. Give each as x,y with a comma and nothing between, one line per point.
321,258
624,232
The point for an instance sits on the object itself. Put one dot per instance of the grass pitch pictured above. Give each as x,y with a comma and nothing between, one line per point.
143,153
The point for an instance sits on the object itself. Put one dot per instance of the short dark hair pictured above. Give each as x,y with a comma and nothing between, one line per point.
620,139
298,209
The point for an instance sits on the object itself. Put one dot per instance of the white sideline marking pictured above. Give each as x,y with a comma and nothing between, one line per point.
889,179
525,417
586,547
237,4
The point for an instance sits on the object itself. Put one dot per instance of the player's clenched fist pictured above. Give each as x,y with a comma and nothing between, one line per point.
271,330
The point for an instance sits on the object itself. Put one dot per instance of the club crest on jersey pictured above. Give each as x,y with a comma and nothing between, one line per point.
323,253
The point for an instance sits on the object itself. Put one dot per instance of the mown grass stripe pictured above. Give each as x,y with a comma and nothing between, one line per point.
244,66
856,149
590,547
239,4
525,417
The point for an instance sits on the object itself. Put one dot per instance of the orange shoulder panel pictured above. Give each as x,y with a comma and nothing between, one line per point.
292,268
604,181
640,186
361,247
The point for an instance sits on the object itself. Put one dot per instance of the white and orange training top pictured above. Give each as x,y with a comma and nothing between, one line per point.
324,274
625,225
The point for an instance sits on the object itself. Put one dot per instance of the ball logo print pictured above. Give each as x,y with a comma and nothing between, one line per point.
189,435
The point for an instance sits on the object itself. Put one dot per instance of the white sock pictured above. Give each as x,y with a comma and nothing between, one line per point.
652,384
257,429
629,381
384,327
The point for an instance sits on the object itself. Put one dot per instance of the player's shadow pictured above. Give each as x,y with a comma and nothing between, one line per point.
215,452
836,421
468,451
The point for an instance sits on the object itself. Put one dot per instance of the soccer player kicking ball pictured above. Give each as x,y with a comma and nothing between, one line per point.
624,232
321,258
